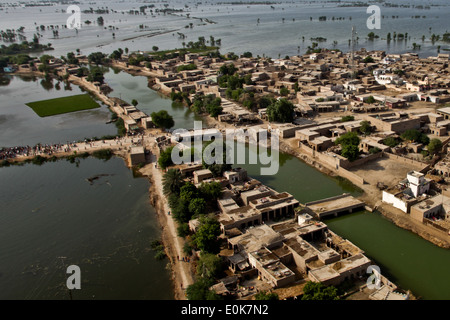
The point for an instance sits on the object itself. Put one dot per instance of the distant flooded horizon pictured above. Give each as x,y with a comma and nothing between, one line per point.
272,29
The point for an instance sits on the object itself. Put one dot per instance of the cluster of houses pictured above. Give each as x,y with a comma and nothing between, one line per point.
273,241
319,82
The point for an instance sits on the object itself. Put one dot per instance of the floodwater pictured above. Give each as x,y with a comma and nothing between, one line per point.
128,87
52,217
279,32
22,126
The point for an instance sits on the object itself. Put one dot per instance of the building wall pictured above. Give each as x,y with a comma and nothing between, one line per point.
394,201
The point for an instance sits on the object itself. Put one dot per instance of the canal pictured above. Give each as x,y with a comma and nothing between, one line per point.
407,259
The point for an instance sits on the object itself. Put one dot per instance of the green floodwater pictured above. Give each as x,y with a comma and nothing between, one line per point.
52,217
404,257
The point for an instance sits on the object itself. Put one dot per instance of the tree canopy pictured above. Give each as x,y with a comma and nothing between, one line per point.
415,136
162,119
209,265
205,238
264,295
349,144
281,110
172,181
434,146
199,290
318,291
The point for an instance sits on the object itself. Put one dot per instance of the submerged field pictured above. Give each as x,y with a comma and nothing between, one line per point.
46,108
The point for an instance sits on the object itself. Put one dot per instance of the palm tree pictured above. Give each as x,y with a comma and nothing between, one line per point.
172,181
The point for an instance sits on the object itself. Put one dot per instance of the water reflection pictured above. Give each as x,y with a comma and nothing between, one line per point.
47,84
5,80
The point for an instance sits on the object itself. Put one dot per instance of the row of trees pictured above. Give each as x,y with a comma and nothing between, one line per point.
349,142
187,202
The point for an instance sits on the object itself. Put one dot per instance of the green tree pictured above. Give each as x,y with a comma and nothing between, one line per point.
284,91
370,100
390,142
318,291
281,111
199,290
100,21
188,192
264,295
183,230
97,58
172,181
211,191
197,207
162,119
366,127
415,136
347,118
205,238
434,146
95,75
155,48
134,102
209,266
368,59
349,145
228,69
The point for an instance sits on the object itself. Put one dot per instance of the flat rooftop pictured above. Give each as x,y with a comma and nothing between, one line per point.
334,205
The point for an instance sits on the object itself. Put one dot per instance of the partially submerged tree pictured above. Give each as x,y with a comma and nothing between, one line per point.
162,119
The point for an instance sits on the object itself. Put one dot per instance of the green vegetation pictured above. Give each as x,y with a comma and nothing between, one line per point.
318,291
391,142
264,295
157,246
103,154
370,100
165,158
199,290
95,75
181,97
347,118
24,47
281,111
284,91
434,146
120,125
209,104
368,59
366,127
205,239
190,66
349,144
162,119
208,158
209,266
415,136
46,108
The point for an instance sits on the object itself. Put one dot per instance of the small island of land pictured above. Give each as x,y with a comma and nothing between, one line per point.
51,107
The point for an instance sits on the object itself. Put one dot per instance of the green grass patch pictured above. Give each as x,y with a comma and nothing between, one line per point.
46,108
